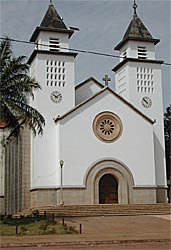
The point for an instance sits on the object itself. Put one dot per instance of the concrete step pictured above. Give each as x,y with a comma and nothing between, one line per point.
100,210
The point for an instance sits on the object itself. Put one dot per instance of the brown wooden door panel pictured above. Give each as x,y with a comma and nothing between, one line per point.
108,190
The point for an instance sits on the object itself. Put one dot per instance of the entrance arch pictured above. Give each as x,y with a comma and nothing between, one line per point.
108,189
119,171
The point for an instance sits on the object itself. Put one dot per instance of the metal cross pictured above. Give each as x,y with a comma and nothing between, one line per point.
106,79
135,7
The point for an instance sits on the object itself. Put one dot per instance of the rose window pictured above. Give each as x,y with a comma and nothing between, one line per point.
107,126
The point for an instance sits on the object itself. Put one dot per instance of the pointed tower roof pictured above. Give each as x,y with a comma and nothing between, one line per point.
136,31
52,19
52,22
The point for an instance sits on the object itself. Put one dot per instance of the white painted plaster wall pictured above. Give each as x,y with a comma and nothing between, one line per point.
79,147
44,156
131,48
85,91
155,112
43,39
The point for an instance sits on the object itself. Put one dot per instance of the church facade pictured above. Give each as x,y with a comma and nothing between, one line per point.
99,146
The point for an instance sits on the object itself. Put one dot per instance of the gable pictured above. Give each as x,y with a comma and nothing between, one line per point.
87,89
100,95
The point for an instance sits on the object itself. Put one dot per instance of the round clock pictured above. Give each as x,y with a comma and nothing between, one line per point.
56,96
146,102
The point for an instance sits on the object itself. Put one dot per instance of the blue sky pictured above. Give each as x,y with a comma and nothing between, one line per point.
102,25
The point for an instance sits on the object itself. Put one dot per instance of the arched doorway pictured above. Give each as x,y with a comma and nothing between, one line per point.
108,189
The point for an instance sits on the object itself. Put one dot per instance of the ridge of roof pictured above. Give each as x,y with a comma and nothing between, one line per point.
87,80
98,93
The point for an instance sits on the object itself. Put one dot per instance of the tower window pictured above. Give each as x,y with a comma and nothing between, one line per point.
55,73
145,80
54,44
142,52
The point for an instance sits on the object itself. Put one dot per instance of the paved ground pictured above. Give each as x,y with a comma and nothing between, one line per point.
99,233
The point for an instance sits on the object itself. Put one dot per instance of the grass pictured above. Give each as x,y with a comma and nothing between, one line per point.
33,226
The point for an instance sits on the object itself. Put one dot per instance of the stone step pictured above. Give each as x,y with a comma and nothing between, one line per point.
100,210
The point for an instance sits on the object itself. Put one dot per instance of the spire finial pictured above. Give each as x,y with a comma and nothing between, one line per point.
135,7
51,2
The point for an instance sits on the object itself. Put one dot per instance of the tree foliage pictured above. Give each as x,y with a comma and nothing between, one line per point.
16,87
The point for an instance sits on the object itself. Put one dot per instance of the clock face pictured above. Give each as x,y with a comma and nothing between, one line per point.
56,96
146,102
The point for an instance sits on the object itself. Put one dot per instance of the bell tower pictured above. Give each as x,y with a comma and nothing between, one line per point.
138,79
52,65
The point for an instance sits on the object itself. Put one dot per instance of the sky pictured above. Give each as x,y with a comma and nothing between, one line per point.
102,24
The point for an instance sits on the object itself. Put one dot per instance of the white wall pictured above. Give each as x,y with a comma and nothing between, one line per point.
44,149
85,91
44,36
131,48
155,112
79,147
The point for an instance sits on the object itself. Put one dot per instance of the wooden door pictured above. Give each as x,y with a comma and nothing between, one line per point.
108,190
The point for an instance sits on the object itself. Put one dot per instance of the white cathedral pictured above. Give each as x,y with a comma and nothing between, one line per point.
99,146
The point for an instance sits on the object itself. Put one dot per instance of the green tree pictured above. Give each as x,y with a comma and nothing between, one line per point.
16,87
167,133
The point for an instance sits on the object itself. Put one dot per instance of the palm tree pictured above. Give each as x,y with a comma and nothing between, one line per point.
16,86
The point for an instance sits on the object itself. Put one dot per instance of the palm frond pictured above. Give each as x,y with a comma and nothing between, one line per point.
16,87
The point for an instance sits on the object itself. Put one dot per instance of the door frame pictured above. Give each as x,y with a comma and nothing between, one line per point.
116,168
114,188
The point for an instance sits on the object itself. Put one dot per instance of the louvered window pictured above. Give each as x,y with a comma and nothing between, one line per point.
54,44
142,52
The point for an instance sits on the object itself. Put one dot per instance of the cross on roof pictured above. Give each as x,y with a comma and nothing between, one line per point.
135,7
106,79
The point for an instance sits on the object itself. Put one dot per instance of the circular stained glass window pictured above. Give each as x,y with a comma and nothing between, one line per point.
107,126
